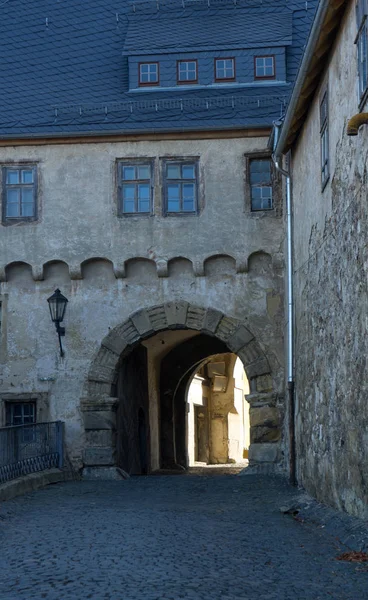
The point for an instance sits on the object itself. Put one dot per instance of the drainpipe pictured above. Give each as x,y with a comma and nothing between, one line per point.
290,306
355,123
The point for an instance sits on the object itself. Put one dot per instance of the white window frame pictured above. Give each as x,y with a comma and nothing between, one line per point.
186,71
150,72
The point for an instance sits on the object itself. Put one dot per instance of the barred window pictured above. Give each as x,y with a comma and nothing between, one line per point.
19,193
20,413
260,179
362,46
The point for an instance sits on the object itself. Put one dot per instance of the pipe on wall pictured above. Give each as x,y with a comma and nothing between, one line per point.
355,123
290,306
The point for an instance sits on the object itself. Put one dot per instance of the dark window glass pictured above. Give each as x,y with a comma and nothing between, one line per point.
325,173
362,46
20,413
181,187
135,188
260,177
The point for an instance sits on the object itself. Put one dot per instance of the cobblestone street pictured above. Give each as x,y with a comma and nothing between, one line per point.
150,538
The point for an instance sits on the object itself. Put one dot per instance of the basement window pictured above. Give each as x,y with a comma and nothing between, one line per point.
362,46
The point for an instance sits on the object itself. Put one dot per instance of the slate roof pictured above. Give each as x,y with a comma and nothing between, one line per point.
62,68
206,28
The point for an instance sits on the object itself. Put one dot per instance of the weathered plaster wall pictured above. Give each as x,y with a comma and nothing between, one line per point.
145,261
331,263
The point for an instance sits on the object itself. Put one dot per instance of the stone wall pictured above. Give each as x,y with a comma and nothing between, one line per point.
226,260
331,263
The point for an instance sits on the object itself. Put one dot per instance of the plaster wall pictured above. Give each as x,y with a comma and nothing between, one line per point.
109,267
331,263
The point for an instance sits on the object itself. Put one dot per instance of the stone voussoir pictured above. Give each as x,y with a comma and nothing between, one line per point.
115,343
142,322
257,368
157,316
211,320
195,317
176,313
239,338
101,374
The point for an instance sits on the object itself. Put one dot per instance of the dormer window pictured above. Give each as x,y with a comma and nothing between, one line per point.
148,74
264,67
224,69
187,71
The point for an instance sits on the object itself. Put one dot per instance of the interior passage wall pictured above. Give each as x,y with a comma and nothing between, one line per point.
331,264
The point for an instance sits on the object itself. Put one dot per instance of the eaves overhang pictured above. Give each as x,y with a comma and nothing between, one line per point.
321,38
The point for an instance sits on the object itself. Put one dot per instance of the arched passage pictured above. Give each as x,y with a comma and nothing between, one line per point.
216,333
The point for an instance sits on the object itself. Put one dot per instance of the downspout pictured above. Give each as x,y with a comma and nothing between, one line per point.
290,306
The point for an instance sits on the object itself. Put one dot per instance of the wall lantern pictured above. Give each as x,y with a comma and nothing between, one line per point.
57,305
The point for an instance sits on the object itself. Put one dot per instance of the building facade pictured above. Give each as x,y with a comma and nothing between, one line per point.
329,179
136,178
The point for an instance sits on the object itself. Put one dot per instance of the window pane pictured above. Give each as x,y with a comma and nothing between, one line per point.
188,172
173,171
188,197
143,198
27,210
27,195
128,173
129,198
12,177
144,68
12,210
27,176
144,172
173,197
13,195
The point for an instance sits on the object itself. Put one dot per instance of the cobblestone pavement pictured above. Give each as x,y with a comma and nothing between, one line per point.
170,537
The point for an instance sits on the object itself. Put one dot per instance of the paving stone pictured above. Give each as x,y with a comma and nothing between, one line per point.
170,538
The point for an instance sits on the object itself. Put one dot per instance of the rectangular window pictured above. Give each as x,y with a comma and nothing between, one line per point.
260,179
148,74
224,69
187,71
19,193
20,413
135,188
181,187
362,46
325,173
264,67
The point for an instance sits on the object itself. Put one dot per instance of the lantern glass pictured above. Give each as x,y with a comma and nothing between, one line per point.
57,304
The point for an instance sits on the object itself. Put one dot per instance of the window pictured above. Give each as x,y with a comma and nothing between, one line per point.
148,74
180,187
362,45
19,193
225,69
324,140
264,67
20,413
187,71
135,188
260,178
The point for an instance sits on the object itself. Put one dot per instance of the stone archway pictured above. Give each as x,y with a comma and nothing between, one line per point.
99,405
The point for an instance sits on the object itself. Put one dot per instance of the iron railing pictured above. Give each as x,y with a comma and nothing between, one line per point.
30,448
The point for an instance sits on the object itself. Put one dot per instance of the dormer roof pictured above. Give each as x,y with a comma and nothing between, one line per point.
197,29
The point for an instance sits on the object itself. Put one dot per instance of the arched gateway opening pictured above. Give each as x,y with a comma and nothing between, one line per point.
135,412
